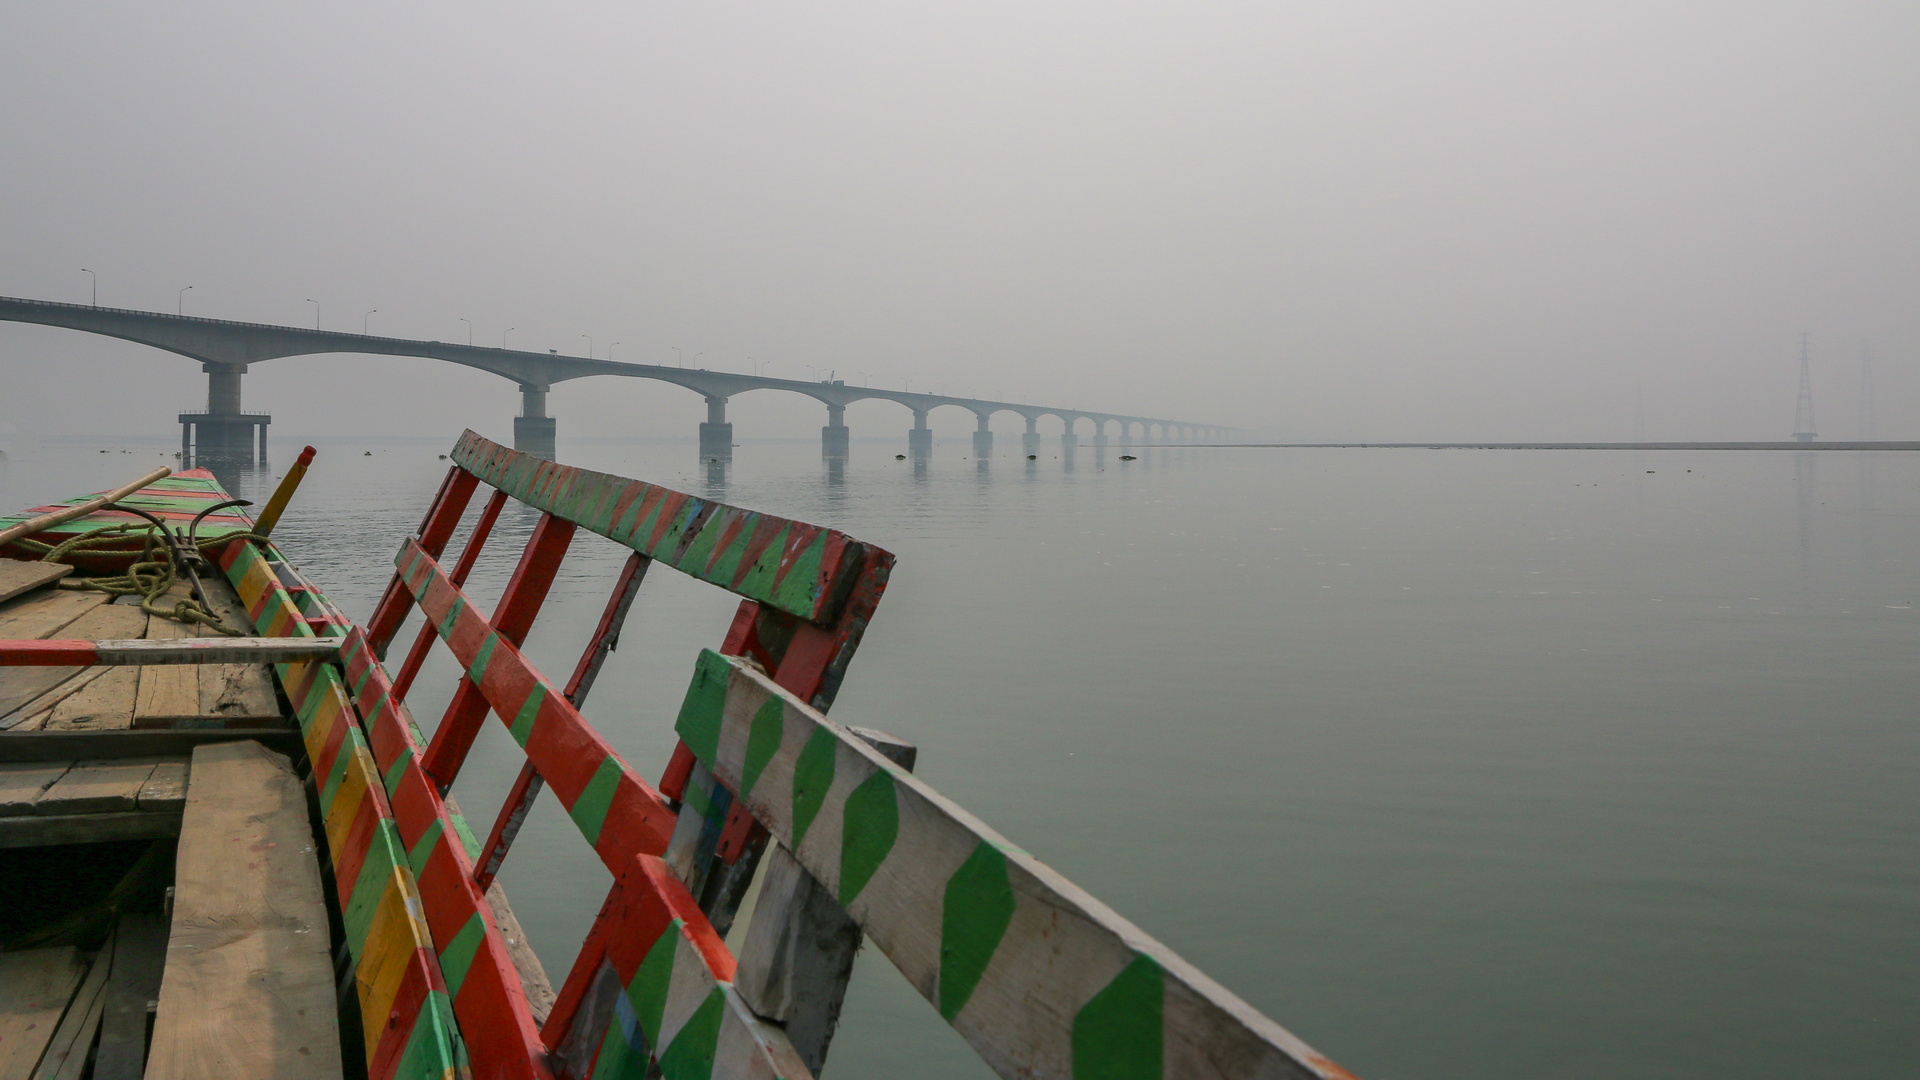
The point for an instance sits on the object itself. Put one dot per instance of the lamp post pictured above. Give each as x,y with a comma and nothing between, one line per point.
696,360
469,323
589,345
180,302
677,361
610,349
96,285
316,312
810,375
364,318
504,333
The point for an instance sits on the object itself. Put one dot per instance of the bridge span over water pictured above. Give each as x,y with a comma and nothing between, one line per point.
225,348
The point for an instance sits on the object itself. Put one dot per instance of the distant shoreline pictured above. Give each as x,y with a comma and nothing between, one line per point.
1881,445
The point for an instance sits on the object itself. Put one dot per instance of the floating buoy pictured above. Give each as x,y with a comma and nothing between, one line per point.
899,457
1128,457
1033,457
366,453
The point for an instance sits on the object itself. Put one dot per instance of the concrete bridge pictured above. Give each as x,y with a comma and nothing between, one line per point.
225,349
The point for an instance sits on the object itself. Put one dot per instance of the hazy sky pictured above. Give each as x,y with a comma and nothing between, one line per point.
1472,219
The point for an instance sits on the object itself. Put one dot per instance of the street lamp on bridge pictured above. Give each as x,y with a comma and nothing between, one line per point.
610,349
364,318
678,360
316,312
504,333
96,285
179,302
469,323
589,345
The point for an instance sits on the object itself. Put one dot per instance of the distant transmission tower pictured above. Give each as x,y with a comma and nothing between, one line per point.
1869,428
1803,409
1639,414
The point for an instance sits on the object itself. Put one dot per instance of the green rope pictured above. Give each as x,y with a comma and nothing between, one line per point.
153,571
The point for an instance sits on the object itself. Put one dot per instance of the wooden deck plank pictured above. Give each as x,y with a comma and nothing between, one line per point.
168,689
43,705
44,614
166,789
248,988
23,782
18,578
103,704
139,955
20,685
66,1053
97,787
35,987
48,830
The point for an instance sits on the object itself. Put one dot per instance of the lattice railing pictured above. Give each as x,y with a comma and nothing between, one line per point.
1040,978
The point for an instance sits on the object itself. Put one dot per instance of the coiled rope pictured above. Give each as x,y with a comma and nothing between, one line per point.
153,572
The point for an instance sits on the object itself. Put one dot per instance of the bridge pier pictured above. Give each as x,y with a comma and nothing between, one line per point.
224,430
983,440
835,438
920,439
533,429
716,435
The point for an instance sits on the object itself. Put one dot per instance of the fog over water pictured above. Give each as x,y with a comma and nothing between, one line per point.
1558,765
1482,219
1457,764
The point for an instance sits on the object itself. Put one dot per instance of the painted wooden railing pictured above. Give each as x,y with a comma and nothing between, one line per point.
1040,978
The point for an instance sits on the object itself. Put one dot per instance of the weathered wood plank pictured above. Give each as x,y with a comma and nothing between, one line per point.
103,704
166,789
533,974
47,830
20,685
45,614
66,1053
238,691
1038,976
139,955
101,745
35,987
43,705
167,642
248,987
97,787
168,690
18,578
23,782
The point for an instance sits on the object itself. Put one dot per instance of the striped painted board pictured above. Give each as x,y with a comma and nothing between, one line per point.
406,1013
1038,976
653,985
801,569
488,1000
618,812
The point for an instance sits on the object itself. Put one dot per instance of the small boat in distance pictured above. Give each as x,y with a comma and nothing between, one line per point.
213,797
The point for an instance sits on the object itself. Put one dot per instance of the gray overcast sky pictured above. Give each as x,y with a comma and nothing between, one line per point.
1486,218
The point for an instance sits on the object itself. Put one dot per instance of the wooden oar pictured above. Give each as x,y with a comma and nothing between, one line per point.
282,495
67,513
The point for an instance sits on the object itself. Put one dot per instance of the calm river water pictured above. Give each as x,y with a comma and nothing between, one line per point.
1549,764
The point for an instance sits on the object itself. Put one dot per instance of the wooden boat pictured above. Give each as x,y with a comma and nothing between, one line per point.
333,913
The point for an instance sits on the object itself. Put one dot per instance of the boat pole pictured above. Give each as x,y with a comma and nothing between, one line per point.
67,513
282,495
